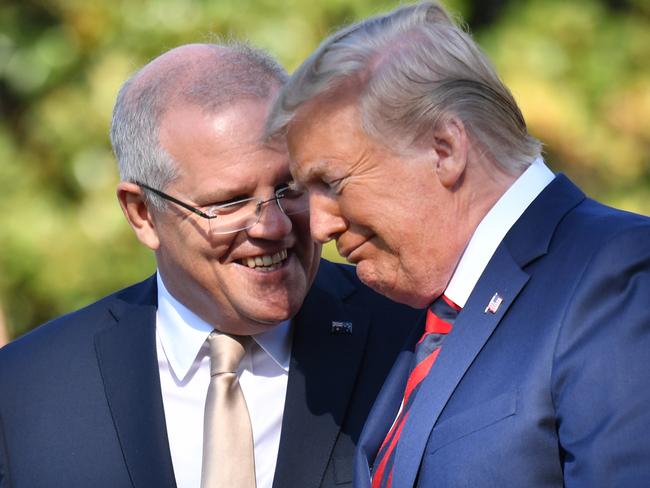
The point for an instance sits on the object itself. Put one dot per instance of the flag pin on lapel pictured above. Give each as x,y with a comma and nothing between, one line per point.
494,304
341,328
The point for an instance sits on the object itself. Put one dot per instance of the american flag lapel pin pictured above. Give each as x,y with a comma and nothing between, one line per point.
494,304
344,328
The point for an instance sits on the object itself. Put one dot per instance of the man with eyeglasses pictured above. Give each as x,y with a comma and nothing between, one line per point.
213,372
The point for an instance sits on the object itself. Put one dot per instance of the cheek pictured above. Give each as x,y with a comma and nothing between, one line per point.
219,247
300,229
420,274
312,267
190,239
309,250
379,209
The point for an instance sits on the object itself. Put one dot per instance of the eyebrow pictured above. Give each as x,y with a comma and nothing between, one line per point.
314,171
217,195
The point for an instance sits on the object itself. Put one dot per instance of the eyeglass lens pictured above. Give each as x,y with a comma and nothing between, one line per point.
246,214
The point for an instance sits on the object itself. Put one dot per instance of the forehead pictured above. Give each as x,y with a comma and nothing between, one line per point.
324,132
223,149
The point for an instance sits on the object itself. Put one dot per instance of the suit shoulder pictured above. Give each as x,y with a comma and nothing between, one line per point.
619,251
592,227
595,218
331,272
65,333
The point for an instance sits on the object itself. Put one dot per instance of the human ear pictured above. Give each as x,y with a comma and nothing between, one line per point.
450,144
137,213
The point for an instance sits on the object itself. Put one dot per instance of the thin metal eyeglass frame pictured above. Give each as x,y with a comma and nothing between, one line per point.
186,206
200,213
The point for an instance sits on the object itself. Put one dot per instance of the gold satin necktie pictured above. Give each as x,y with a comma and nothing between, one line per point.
228,459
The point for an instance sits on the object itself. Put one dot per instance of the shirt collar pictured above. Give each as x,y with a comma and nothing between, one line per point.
182,334
276,342
493,228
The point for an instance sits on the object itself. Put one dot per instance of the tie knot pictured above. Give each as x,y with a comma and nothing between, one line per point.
226,352
441,316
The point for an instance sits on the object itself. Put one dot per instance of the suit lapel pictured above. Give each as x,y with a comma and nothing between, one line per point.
126,354
528,239
384,410
472,329
323,371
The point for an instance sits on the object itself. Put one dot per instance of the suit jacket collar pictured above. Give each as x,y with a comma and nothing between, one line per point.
324,367
126,354
531,236
323,370
528,239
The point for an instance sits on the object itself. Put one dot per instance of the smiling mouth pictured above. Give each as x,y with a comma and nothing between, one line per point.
267,262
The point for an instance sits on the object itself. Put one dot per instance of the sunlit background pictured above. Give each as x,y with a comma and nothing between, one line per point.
580,70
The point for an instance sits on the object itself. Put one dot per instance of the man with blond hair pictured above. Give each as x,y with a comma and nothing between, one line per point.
532,368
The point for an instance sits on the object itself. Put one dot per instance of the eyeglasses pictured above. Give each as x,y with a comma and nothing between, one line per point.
241,214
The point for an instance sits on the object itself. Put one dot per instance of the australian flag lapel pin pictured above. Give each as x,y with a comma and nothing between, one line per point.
341,328
494,304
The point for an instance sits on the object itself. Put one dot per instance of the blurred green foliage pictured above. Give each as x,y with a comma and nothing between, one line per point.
580,70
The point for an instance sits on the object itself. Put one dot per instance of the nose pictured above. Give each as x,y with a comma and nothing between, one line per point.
273,223
325,219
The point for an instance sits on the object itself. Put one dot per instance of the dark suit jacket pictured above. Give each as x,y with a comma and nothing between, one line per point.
551,390
80,400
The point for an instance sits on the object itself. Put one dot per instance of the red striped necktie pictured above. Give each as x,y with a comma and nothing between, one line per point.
440,319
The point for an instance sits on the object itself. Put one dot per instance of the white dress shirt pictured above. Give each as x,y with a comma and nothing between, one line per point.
184,368
494,227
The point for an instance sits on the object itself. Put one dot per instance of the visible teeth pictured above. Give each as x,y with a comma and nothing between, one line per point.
268,262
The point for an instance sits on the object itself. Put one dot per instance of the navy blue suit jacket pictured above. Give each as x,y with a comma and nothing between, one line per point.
80,400
551,390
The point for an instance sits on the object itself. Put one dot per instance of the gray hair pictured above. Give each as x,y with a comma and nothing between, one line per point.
211,76
412,69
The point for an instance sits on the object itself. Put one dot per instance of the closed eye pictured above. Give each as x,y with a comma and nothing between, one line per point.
230,206
336,185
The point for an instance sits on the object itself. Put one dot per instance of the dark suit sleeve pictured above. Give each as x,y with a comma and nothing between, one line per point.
601,375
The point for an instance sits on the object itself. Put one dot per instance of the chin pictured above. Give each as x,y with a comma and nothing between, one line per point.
271,314
382,287
406,295
412,294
